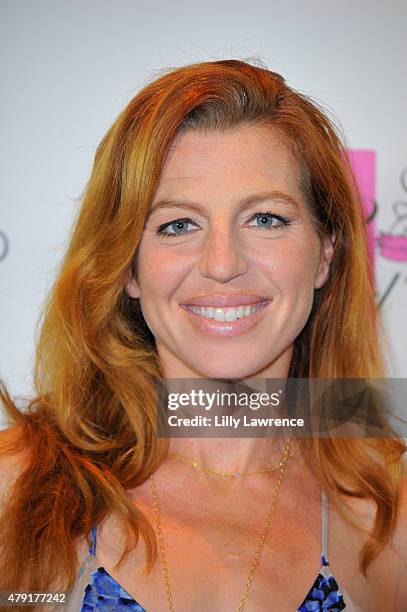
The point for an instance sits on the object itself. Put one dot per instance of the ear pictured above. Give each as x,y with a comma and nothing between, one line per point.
327,251
132,287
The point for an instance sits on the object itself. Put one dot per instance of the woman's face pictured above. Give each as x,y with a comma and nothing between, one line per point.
229,236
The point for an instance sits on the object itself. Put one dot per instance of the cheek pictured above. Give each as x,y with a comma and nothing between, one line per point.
293,265
159,271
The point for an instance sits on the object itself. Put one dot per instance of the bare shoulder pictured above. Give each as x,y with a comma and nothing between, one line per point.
389,569
400,536
401,530
13,458
398,544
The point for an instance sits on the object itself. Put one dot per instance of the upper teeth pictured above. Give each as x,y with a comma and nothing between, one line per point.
226,314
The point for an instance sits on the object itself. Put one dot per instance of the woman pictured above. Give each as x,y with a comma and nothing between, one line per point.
217,188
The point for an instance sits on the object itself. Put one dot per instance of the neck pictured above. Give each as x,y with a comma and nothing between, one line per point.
230,454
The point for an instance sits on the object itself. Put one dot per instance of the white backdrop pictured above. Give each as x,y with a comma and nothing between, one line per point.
69,66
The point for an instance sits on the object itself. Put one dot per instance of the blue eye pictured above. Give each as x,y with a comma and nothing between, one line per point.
177,225
265,217
267,220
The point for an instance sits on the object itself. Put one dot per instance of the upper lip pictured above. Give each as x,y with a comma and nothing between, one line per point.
220,300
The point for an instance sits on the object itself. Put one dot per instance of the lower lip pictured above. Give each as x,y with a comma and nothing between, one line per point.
226,328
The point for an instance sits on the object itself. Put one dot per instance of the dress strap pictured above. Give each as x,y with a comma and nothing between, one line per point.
92,547
324,527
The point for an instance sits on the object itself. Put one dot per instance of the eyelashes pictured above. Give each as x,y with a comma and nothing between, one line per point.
264,217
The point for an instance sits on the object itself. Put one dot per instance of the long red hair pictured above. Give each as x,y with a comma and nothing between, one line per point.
88,435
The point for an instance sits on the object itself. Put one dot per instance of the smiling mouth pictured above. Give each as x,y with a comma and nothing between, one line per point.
226,314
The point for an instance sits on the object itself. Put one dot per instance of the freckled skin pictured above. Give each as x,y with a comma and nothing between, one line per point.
224,251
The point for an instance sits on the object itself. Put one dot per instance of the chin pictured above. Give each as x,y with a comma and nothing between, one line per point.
236,372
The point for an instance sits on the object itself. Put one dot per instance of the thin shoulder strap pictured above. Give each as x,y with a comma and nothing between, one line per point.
92,547
324,528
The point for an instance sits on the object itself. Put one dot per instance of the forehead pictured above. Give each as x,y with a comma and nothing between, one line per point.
245,158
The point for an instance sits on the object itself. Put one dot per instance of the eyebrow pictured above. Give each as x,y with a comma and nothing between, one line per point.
252,200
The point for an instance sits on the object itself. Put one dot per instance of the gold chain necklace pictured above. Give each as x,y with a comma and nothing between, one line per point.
201,468
282,464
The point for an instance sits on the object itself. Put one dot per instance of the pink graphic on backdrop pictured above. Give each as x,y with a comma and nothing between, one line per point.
393,247
393,242
363,163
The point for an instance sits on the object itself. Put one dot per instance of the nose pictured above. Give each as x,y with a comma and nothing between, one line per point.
222,258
